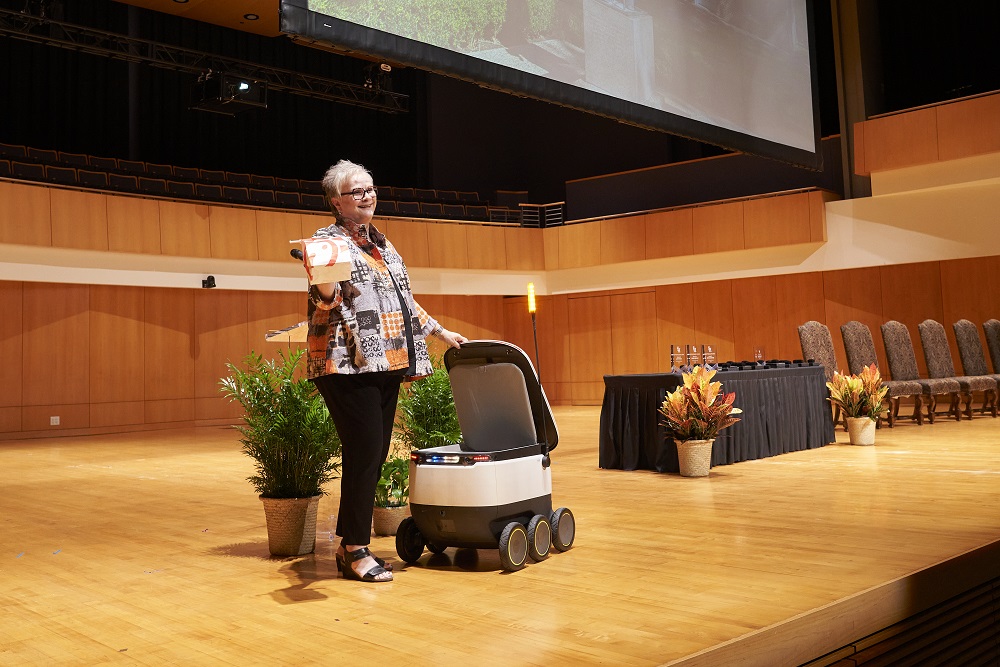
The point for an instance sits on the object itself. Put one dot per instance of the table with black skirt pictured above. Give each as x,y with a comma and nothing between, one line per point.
784,410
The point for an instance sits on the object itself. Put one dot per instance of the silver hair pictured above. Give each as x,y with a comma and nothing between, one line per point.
336,176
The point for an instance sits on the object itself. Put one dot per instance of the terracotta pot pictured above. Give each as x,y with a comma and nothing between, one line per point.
386,520
694,457
291,525
861,430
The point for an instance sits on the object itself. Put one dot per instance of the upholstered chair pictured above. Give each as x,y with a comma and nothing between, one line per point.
861,353
992,330
903,366
970,351
817,344
937,354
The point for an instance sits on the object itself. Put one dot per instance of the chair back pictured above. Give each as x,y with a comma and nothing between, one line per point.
817,344
899,351
859,346
937,354
992,330
970,348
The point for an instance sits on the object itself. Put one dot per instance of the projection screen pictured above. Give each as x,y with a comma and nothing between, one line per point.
735,73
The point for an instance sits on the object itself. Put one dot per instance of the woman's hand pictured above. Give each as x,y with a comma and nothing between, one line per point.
453,339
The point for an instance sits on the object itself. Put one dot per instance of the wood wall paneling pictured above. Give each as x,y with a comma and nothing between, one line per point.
184,229
25,217
860,165
71,416
487,247
755,318
269,311
274,231
817,214
901,140
56,344
552,364
79,219
124,413
550,247
410,240
713,317
525,249
169,340
221,328
313,221
133,225
971,127
11,347
776,221
674,321
448,245
901,283
633,333
590,349
970,289
117,349
623,239
579,246
851,294
10,419
669,233
798,298
718,228
168,411
232,232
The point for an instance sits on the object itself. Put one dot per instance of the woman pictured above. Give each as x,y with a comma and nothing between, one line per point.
366,335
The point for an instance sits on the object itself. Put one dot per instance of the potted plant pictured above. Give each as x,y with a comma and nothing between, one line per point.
287,432
860,397
426,418
694,413
391,494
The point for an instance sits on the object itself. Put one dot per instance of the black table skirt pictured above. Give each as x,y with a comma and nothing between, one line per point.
784,410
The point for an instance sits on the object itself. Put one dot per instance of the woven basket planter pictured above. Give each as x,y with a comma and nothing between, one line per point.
694,457
386,520
861,430
291,525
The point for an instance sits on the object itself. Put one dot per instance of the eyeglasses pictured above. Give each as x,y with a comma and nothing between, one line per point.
359,193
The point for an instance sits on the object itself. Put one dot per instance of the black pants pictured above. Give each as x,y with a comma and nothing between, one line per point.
363,408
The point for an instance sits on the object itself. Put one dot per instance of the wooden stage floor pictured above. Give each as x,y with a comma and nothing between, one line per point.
150,549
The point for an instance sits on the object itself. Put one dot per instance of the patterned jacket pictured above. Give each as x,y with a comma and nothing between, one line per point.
361,330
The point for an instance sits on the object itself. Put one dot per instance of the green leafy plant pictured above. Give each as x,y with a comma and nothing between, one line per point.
698,410
860,395
393,488
286,428
426,412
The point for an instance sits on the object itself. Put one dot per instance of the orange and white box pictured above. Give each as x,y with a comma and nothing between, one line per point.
326,260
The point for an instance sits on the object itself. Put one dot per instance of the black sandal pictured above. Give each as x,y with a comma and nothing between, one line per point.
381,563
371,575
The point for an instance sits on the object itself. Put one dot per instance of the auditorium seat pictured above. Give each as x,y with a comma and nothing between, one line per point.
456,211
504,214
187,173
103,163
164,171
402,193
313,201
29,171
213,176
153,186
408,207
62,175
860,350
903,366
262,196
4,168
237,178
262,182
386,191
477,212
468,196
312,186
287,199
208,191
446,196
183,189
123,182
75,159
14,151
93,179
43,155
430,209
424,194
287,184
235,194
385,206
132,167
